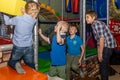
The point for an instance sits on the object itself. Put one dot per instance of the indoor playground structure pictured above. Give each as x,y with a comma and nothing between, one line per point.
51,11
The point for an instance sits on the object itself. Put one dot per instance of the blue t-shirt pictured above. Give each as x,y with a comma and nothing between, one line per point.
73,45
58,52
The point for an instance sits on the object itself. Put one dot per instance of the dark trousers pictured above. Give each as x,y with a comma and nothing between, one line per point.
25,53
104,65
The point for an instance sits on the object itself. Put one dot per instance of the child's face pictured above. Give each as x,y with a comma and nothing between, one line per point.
89,19
72,30
34,13
33,10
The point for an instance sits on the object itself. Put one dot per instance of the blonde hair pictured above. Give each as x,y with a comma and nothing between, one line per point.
63,23
32,6
92,14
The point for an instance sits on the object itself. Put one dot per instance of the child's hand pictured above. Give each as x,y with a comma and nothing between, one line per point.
79,63
100,58
23,10
40,31
60,24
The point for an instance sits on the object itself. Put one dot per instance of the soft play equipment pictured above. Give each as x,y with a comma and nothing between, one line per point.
89,4
48,12
90,52
68,5
100,8
114,9
5,41
75,5
115,29
44,58
91,46
117,3
91,42
43,64
7,73
90,67
12,7
5,47
43,48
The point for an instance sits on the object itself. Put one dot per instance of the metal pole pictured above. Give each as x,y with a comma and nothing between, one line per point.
36,43
107,13
62,9
11,34
84,24
49,2
81,18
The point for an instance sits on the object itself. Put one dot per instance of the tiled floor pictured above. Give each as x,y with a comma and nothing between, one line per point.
113,77
117,75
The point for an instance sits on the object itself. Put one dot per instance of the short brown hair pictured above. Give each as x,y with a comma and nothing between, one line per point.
74,25
30,5
92,14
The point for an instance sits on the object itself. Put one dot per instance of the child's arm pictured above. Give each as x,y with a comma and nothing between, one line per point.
23,10
100,45
9,21
43,36
100,48
60,40
82,54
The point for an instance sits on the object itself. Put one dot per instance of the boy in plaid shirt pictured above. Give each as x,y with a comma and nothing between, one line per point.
105,42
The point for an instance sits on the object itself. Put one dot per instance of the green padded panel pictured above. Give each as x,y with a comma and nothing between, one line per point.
43,48
90,52
43,65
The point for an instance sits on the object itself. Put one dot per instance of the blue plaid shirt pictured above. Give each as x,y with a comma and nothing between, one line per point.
101,30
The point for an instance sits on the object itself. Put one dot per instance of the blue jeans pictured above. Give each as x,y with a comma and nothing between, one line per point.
25,53
104,65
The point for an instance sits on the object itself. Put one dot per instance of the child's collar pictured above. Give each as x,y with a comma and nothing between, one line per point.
71,37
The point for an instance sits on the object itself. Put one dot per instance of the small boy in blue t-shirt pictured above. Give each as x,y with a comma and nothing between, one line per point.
75,51
58,50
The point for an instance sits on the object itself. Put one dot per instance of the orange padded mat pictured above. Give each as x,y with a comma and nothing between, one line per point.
7,73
